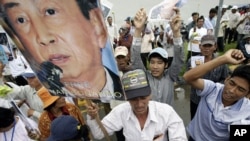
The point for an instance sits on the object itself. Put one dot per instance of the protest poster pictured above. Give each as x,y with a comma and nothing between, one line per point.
106,8
160,14
66,45
197,60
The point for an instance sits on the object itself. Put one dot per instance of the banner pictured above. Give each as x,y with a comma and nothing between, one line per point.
162,13
66,44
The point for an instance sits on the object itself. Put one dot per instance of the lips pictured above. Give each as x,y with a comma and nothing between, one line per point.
58,59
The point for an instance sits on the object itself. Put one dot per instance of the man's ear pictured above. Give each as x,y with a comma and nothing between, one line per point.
96,19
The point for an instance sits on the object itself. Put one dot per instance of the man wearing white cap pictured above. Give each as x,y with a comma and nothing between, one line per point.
231,33
161,77
122,59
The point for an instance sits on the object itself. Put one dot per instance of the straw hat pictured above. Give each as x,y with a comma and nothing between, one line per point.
46,97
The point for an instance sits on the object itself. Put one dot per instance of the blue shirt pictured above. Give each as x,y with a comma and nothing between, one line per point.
212,119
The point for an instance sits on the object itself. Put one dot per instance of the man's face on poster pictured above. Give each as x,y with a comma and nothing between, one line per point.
56,31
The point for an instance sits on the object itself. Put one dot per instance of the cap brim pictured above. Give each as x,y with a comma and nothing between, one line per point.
145,91
207,42
122,54
28,75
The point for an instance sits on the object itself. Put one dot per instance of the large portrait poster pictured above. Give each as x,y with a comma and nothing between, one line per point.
66,45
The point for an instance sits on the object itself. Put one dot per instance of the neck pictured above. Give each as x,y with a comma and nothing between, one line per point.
208,58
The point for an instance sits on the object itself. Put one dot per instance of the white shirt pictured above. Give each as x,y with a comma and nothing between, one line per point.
113,32
30,95
161,118
193,44
233,19
244,28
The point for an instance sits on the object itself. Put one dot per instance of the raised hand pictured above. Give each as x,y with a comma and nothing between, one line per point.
234,56
140,19
175,23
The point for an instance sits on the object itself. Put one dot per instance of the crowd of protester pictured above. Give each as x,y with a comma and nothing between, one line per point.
154,54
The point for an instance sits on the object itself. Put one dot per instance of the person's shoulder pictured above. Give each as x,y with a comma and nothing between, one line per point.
160,107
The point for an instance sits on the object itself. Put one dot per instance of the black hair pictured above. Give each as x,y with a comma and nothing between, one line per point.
243,71
195,13
213,10
7,117
156,55
201,18
3,39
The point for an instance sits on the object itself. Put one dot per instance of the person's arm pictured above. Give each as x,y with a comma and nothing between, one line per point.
110,122
139,21
193,76
178,59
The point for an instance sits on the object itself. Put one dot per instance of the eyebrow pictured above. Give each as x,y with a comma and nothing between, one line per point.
238,85
10,5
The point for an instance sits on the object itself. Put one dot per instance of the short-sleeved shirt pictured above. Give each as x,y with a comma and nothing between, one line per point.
212,119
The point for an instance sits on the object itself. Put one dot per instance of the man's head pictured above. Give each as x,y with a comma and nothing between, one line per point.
195,16
31,78
208,45
59,31
137,90
109,20
69,130
234,9
237,85
212,13
124,30
200,21
121,56
158,61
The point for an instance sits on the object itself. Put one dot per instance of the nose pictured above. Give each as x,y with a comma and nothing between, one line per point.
44,34
233,89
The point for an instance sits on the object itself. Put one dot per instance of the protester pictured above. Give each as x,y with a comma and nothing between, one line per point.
242,26
194,36
161,78
59,56
28,95
231,32
55,106
140,118
122,59
208,47
68,128
112,31
221,105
